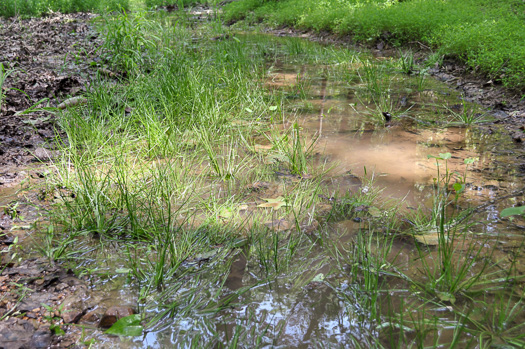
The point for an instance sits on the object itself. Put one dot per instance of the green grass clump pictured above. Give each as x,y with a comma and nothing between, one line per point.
486,35
32,8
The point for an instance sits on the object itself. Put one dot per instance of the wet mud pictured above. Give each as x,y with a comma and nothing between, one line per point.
48,60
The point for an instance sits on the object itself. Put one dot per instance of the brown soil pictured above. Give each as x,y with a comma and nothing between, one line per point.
50,60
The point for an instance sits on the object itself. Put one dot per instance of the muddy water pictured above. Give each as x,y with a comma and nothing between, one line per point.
293,306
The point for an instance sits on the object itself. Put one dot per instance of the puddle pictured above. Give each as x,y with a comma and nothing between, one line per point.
294,291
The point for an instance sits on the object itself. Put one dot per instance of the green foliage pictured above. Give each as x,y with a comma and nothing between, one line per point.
486,35
127,326
9,8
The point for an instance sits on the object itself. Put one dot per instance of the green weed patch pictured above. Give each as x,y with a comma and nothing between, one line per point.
9,8
487,35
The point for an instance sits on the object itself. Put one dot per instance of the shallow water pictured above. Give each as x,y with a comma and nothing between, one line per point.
308,299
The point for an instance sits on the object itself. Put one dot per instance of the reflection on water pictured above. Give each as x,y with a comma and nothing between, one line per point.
293,308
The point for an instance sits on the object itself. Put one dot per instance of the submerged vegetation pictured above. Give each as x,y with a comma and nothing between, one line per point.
195,175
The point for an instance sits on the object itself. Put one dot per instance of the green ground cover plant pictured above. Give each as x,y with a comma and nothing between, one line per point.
486,35
35,8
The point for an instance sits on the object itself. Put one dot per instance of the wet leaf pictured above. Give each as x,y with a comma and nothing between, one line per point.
431,239
458,187
318,278
512,211
276,203
374,212
446,297
127,326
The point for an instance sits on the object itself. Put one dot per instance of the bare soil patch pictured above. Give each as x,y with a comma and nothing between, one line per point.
50,60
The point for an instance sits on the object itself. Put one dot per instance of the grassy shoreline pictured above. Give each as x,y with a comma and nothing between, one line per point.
488,36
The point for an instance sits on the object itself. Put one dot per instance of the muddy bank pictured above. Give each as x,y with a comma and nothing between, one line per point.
45,61
48,60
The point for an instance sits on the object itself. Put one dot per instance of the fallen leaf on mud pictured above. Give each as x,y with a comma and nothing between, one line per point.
72,102
261,148
431,239
276,203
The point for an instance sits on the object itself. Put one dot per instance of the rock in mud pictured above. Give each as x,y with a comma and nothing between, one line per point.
74,306
113,314
17,333
42,154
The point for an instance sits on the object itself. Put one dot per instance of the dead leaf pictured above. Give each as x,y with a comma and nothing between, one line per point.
72,102
258,148
276,203
430,239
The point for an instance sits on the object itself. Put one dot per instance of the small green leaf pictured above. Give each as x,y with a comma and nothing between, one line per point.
446,297
458,187
248,110
273,108
127,326
318,278
122,270
442,156
445,156
512,211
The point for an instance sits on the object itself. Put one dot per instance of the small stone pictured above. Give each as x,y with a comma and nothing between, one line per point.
120,312
113,314
107,321
36,310
92,316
